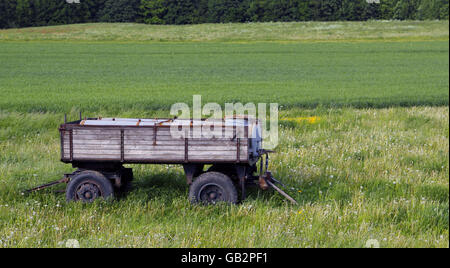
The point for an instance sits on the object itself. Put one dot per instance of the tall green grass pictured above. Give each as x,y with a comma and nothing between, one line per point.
361,174
236,32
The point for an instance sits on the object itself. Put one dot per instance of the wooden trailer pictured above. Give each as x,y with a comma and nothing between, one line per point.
160,141
99,147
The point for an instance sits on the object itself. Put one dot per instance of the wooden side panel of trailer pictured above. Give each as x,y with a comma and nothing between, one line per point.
144,145
91,144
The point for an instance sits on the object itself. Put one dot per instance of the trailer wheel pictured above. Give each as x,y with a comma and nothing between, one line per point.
212,188
88,186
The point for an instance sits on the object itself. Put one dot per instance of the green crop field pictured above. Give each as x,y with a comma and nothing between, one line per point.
374,165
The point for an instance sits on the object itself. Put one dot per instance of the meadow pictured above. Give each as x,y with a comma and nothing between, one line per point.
374,165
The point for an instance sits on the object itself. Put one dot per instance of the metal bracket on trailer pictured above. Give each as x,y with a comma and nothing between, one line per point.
191,171
240,171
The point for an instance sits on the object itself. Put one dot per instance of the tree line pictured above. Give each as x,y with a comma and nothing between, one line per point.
27,13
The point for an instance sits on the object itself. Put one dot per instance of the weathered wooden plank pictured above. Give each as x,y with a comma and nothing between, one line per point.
151,137
111,142
116,153
221,142
150,148
204,142
134,135
243,154
88,157
177,158
126,137
166,157
96,151
200,141
214,157
181,141
137,132
106,150
158,147
210,153
145,130
96,148
158,142
218,147
95,142
97,137
95,131
93,154
162,153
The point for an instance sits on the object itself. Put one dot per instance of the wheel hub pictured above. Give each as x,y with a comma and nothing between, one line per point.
211,193
88,192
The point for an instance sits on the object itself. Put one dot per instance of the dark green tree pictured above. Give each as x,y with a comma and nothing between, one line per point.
8,17
24,13
387,9
225,11
405,9
153,11
432,9
120,11
353,10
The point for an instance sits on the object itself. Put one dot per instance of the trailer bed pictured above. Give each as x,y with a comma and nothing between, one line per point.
128,140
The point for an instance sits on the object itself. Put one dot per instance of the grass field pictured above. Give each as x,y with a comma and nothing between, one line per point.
374,166
280,31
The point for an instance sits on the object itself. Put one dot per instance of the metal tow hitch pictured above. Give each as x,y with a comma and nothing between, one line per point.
269,181
66,179
266,179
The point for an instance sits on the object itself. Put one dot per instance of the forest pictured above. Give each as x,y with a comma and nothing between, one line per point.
29,13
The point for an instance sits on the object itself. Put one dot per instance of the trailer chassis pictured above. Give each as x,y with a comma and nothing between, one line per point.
120,177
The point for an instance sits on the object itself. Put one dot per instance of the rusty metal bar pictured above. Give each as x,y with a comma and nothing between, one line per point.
122,151
61,134
282,192
155,129
43,186
238,150
71,144
186,150
234,133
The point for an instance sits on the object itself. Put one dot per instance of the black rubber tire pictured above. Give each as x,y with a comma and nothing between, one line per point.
92,179
221,182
